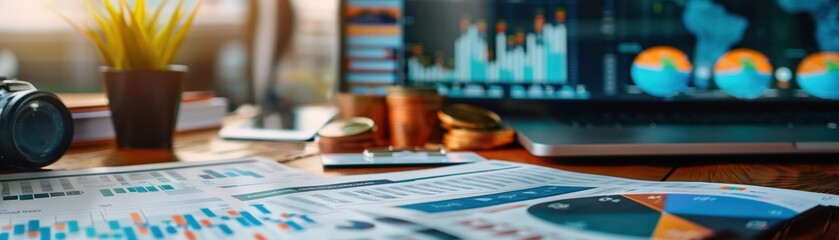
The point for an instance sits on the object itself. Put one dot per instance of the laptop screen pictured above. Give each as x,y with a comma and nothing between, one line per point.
655,50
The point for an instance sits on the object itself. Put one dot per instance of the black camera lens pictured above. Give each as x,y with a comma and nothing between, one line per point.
38,129
35,129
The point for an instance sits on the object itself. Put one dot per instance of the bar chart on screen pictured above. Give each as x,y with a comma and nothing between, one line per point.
533,50
539,57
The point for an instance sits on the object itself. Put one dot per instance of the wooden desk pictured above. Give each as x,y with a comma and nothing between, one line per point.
809,173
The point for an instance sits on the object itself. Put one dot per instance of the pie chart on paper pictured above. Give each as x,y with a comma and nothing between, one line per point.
355,225
743,73
663,216
661,71
818,75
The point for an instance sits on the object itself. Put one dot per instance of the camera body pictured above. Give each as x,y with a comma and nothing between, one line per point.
36,128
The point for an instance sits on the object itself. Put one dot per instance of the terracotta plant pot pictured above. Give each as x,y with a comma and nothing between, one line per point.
144,105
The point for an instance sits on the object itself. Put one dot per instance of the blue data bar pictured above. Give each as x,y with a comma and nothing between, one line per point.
493,199
250,218
114,225
106,192
33,225
262,208
294,226
253,174
226,230
245,173
129,233
368,53
46,233
73,226
375,41
243,221
215,174
191,222
155,231
90,232
19,229
307,219
208,212
380,78
386,65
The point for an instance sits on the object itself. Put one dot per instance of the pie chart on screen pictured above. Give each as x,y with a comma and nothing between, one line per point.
661,71
663,216
818,75
743,73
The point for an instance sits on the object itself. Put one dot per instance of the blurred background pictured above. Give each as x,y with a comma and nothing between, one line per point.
37,45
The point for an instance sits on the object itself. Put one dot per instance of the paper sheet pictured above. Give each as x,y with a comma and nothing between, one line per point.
517,201
257,199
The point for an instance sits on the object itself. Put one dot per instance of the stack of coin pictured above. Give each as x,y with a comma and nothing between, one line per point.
413,115
347,136
369,106
473,128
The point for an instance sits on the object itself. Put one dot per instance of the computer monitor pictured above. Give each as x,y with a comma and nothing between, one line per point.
596,50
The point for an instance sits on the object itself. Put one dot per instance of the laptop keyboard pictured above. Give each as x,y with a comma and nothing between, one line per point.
617,119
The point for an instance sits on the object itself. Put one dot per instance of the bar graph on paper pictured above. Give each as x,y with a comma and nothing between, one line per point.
540,56
228,173
256,221
183,180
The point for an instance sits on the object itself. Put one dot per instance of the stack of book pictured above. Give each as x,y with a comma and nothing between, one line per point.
92,118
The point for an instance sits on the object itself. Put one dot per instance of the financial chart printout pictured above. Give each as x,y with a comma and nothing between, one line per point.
258,199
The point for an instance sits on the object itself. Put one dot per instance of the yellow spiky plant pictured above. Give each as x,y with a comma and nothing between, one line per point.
136,37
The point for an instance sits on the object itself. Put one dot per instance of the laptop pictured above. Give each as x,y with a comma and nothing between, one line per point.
613,77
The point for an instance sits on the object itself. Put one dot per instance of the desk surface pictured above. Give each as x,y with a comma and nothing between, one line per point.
808,172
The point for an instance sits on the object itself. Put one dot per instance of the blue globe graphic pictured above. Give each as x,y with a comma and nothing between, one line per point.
824,85
745,84
665,82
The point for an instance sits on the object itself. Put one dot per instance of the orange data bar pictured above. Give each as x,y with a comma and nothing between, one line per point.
179,220
136,218
60,226
258,236
284,226
190,235
356,30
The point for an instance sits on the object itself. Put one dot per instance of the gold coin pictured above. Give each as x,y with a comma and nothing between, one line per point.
473,146
495,142
347,127
466,116
411,91
473,133
366,137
